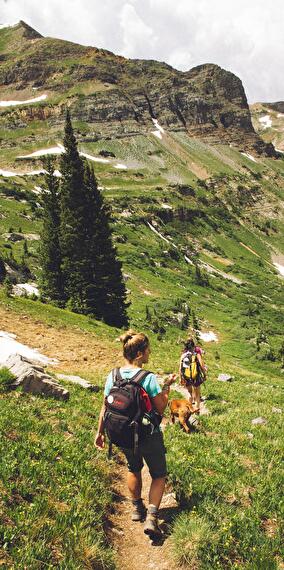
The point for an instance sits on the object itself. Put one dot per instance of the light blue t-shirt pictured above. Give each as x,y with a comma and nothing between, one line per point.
150,383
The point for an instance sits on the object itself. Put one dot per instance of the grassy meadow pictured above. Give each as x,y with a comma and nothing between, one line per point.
219,219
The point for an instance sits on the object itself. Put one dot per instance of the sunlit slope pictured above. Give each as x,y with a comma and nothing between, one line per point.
268,121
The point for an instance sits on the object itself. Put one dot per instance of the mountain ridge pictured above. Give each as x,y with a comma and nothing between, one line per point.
117,95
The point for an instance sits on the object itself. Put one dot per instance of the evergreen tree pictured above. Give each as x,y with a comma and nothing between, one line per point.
2,270
106,292
25,249
50,257
92,275
8,286
72,226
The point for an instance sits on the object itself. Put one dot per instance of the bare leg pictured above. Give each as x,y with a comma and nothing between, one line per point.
134,484
156,491
197,396
189,389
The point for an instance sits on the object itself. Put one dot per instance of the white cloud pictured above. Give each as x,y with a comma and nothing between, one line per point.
138,37
245,37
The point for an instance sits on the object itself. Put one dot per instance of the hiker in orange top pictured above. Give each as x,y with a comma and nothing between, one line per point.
139,437
192,371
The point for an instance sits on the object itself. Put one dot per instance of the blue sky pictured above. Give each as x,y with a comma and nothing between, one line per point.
244,36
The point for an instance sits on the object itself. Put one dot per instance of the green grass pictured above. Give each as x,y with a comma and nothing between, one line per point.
229,478
55,487
227,481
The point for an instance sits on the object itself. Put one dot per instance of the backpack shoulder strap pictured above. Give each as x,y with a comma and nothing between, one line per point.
116,376
139,376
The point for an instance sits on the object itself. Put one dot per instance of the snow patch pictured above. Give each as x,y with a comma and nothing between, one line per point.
279,268
158,127
208,336
249,156
9,346
8,173
37,190
278,150
265,121
120,166
8,25
25,288
93,158
159,130
12,103
33,172
59,149
158,233
157,134
166,207
188,260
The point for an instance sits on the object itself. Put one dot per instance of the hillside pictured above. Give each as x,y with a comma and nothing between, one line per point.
268,121
113,96
195,204
197,213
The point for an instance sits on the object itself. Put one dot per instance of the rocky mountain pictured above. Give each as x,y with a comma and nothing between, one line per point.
268,122
278,106
112,96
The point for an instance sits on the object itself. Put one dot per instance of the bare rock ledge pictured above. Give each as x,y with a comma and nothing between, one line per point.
33,378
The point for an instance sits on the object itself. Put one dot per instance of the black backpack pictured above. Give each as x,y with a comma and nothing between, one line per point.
125,407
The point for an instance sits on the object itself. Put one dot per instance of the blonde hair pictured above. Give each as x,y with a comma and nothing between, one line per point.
133,343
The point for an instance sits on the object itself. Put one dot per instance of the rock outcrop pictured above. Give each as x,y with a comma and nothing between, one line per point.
124,96
33,378
79,382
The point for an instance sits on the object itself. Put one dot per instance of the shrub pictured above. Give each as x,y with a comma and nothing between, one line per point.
2,270
191,532
6,378
8,286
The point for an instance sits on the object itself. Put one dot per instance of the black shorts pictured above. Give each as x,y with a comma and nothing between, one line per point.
153,451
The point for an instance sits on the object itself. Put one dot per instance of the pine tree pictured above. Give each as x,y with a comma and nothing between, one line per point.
50,257
92,274
2,270
106,292
72,225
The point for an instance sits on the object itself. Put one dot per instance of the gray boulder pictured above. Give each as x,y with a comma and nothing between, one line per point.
79,381
225,378
31,376
277,410
259,421
13,236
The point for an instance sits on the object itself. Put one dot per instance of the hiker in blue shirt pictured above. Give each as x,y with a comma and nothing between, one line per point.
136,351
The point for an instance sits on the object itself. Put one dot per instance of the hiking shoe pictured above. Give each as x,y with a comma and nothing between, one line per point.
139,511
151,527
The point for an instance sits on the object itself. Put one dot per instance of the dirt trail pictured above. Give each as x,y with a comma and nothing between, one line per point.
82,351
75,350
132,547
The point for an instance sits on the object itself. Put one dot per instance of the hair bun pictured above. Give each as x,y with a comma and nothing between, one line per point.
124,338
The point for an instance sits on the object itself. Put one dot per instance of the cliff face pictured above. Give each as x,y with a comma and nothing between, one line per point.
124,95
278,106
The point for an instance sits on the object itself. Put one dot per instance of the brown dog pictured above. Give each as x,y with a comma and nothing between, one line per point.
183,410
